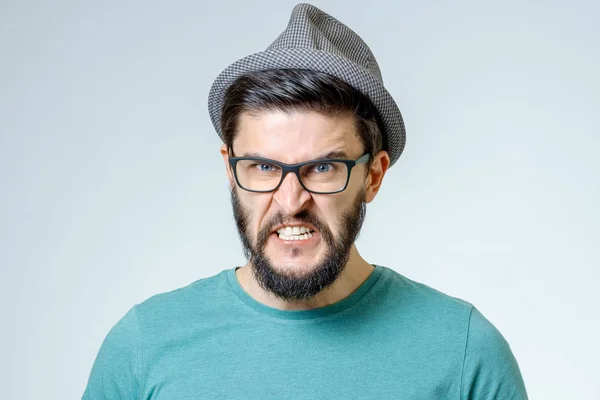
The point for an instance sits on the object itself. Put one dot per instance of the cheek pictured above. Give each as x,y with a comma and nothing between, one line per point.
330,209
357,182
257,206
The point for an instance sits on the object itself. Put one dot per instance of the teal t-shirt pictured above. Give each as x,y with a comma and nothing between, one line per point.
393,338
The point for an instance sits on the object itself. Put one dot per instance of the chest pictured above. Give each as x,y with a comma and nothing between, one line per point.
303,364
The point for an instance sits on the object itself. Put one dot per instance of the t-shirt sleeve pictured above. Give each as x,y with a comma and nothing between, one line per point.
117,370
490,370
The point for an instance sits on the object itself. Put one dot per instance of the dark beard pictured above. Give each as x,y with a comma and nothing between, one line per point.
291,287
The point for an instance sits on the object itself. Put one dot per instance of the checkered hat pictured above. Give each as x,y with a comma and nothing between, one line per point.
316,41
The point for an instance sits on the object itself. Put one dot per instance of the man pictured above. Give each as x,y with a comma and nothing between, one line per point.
309,132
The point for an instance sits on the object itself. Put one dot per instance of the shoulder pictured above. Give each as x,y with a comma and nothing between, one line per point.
422,300
119,368
207,286
430,304
483,336
489,366
203,296
171,308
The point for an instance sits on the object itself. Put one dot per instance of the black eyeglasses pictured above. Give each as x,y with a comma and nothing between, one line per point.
326,176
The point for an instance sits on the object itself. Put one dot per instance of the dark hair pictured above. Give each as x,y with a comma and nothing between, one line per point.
299,90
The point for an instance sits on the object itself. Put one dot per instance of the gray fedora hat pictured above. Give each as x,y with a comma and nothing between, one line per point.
316,41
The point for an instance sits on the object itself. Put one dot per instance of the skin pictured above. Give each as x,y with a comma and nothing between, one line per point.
294,137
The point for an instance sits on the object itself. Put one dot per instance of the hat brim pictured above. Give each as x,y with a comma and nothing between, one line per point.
394,134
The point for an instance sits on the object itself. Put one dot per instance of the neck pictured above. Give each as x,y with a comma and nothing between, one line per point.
357,270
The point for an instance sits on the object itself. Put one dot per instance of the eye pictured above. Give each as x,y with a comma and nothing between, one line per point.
267,167
264,167
322,168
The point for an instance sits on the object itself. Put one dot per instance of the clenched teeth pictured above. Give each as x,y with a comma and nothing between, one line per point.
294,233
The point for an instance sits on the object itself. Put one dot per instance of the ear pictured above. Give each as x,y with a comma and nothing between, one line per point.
379,166
225,154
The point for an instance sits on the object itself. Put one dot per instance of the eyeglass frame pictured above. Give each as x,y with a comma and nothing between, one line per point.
295,168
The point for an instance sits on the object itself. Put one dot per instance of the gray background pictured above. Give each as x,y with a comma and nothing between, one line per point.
113,187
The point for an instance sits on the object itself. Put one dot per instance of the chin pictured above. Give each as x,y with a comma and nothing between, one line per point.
295,266
295,258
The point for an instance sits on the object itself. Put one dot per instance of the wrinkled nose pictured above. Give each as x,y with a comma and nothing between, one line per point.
291,196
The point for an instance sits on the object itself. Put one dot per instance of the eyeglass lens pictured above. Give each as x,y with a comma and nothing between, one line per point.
259,175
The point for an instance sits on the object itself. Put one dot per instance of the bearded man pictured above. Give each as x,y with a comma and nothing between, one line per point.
309,132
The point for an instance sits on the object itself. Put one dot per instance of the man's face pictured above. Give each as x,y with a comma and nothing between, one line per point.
298,269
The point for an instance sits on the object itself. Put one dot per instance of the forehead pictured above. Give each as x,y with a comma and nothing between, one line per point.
295,136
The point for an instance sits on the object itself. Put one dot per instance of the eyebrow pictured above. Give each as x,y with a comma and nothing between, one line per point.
332,154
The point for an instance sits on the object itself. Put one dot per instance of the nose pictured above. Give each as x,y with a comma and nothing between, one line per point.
290,195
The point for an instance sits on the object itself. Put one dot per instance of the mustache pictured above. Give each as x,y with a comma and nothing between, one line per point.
280,219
